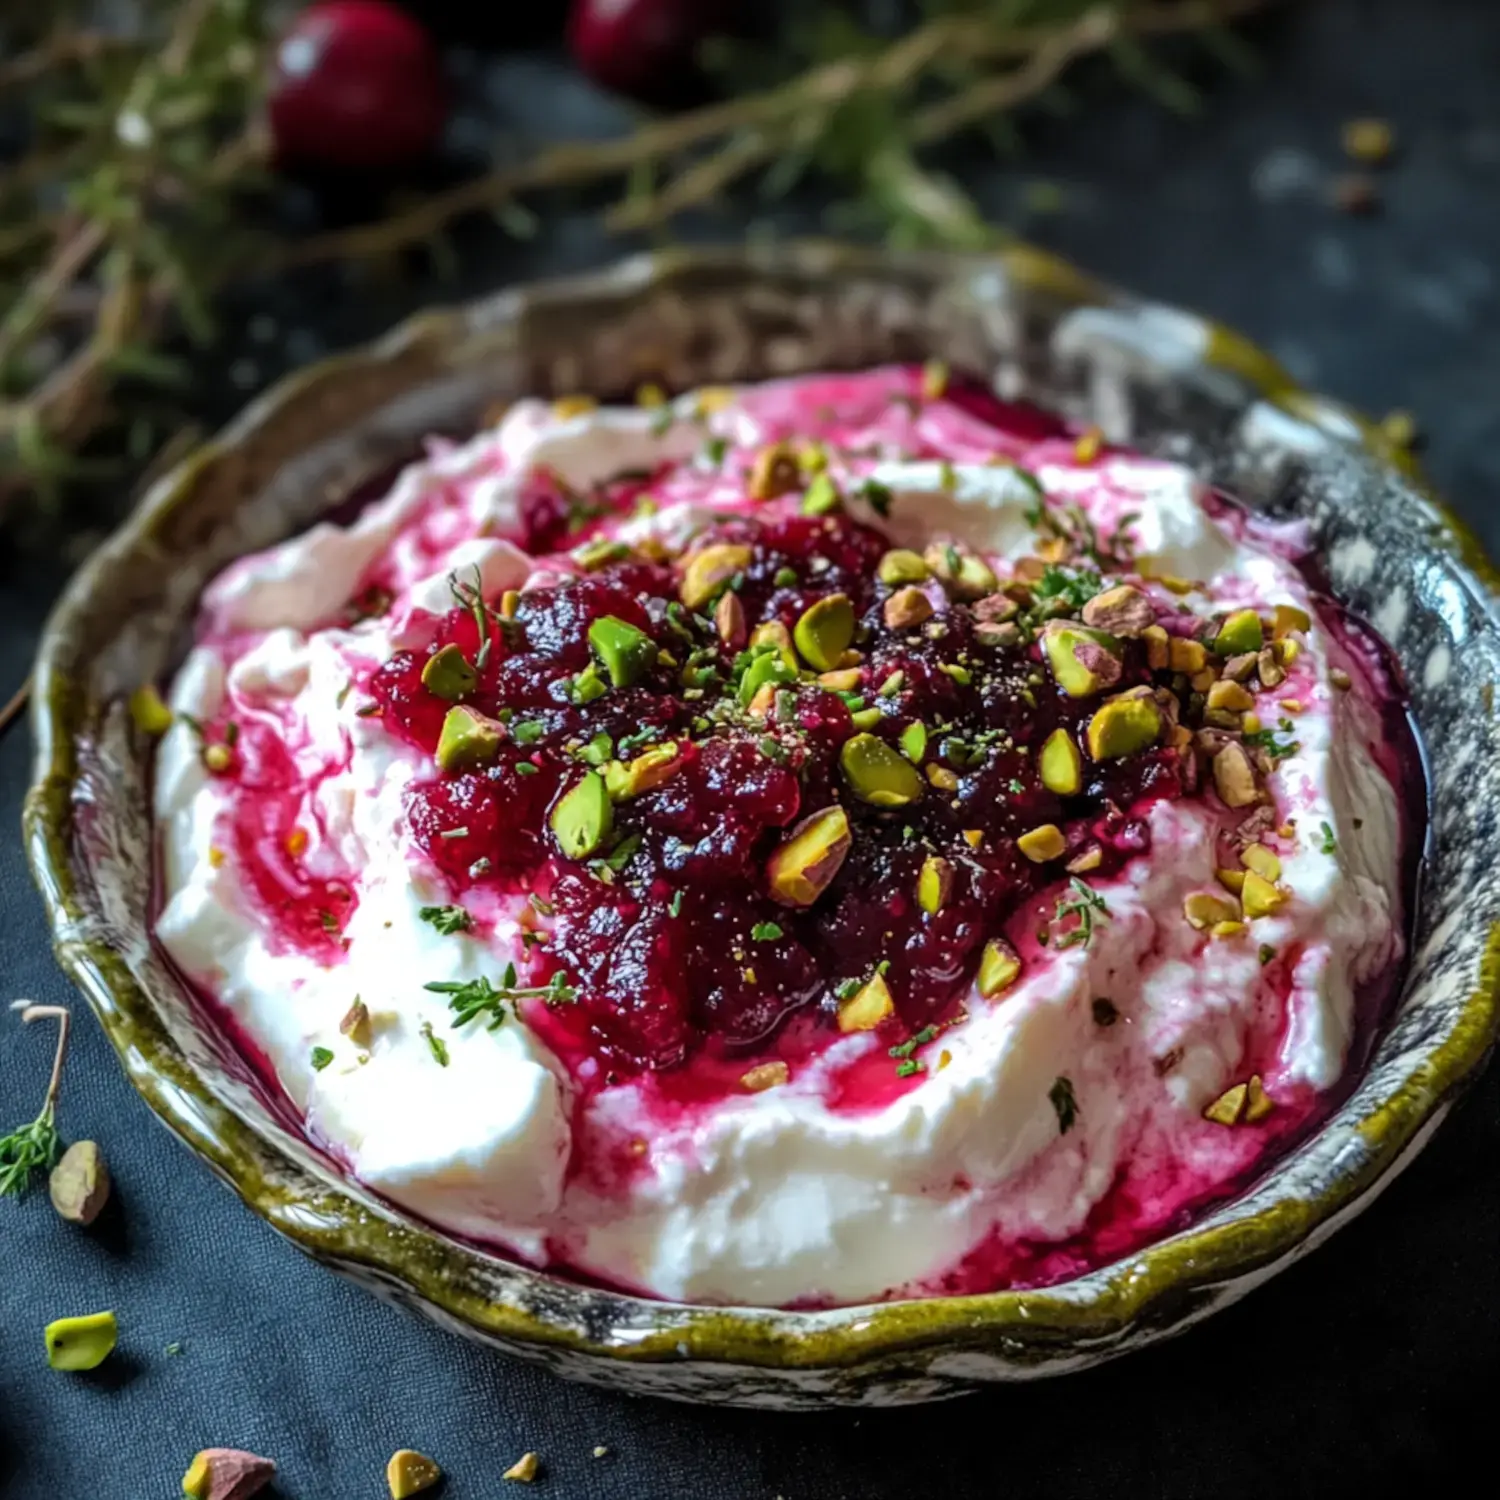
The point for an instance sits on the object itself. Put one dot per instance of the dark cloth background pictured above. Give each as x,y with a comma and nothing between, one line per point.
1367,1369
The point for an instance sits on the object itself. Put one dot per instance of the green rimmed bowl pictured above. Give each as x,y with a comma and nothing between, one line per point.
1151,376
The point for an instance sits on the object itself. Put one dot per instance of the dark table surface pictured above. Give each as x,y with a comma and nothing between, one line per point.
1366,1369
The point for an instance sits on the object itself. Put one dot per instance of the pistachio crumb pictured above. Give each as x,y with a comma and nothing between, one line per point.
524,1470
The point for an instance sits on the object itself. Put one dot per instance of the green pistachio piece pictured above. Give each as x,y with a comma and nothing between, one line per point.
587,686
867,1007
627,652
914,742
1060,764
964,575
79,1183
448,674
600,554
227,1474
802,868
1123,726
1239,633
769,668
81,1343
150,714
999,968
647,771
877,774
583,817
866,718
468,739
709,572
899,567
1083,661
824,632
934,884
821,497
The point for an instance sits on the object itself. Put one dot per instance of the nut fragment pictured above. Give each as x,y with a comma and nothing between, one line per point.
907,607
1240,632
1272,674
775,472
867,1007
802,868
524,1470
1060,764
878,774
1265,862
227,1474
409,1473
468,739
1261,898
999,967
625,650
770,1075
729,620
1229,1107
583,817
824,630
1258,1103
1121,611
1234,776
708,572
1184,655
1158,654
150,715
448,674
1230,697
934,884
80,1343
942,778
841,680
1123,726
899,566
649,770
962,573
1042,843
1204,910
79,1183
1083,661
1287,618
356,1024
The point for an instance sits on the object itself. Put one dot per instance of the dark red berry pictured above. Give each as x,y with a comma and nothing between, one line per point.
642,48
356,84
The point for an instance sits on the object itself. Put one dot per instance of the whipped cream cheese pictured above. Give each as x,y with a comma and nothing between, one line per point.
1091,1072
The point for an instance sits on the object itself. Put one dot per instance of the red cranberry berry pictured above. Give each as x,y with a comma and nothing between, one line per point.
642,47
356,84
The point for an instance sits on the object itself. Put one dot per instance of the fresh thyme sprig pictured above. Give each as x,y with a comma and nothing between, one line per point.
152,144
34,1147
1088,906
472,999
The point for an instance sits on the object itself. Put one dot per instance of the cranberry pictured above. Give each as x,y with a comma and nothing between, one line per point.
356,83
643,48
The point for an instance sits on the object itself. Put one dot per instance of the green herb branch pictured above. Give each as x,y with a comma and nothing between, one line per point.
34,1147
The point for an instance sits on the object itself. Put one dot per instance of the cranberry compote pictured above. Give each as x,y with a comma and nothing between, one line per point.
789,770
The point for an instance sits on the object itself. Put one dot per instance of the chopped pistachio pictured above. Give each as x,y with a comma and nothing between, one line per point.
524,1470
1234,776
769,670
587,686
1229,697
1340,679
775,472
1060,764
1123,610
900,566
962,573
1240,632
973,837
82,1343
1158,653
1042,843
866,718
227,1474
356,1024
824,630
448,674
583,817
913,741
1261,898
1084,662
1184,655
147,711
999,968
566,407
867,1007
906,607
1123,726
729,619
769,1075
821,498
1229,1107
79,1184
803,866
892,685
934,884
600,553
626,651
708,572
877,774
1265,862
1231,880
1203,910
409,1473
1287,618
468,739
1258,1103
218,758
934,379
841,680
1238,668
649,770
1272,673
774,633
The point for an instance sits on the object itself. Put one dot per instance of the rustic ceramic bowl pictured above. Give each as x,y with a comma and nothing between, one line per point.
1148,375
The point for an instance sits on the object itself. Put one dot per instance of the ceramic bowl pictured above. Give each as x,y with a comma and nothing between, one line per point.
1157,378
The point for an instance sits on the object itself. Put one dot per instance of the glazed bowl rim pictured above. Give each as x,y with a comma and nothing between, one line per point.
1097,1307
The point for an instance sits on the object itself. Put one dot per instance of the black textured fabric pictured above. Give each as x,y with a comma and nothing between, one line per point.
1365,1370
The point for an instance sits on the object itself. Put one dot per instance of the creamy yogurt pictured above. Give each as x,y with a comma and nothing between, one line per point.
1036,1130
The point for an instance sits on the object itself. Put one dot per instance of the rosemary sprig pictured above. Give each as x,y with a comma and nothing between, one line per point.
34,1147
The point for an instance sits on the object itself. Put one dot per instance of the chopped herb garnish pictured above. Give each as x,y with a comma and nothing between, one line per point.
1087,905
1267,953
1061,1095
470,597
674,906
447,919
470,999
909,1067
715,449
848,989
766,932
453,833
599,749
877,496
1075,586
620,856
328,922
1327,844
435,1044
910,1045
525,768
320,1057
785,578
1265,739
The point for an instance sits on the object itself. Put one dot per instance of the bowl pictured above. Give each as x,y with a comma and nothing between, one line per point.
1163,380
